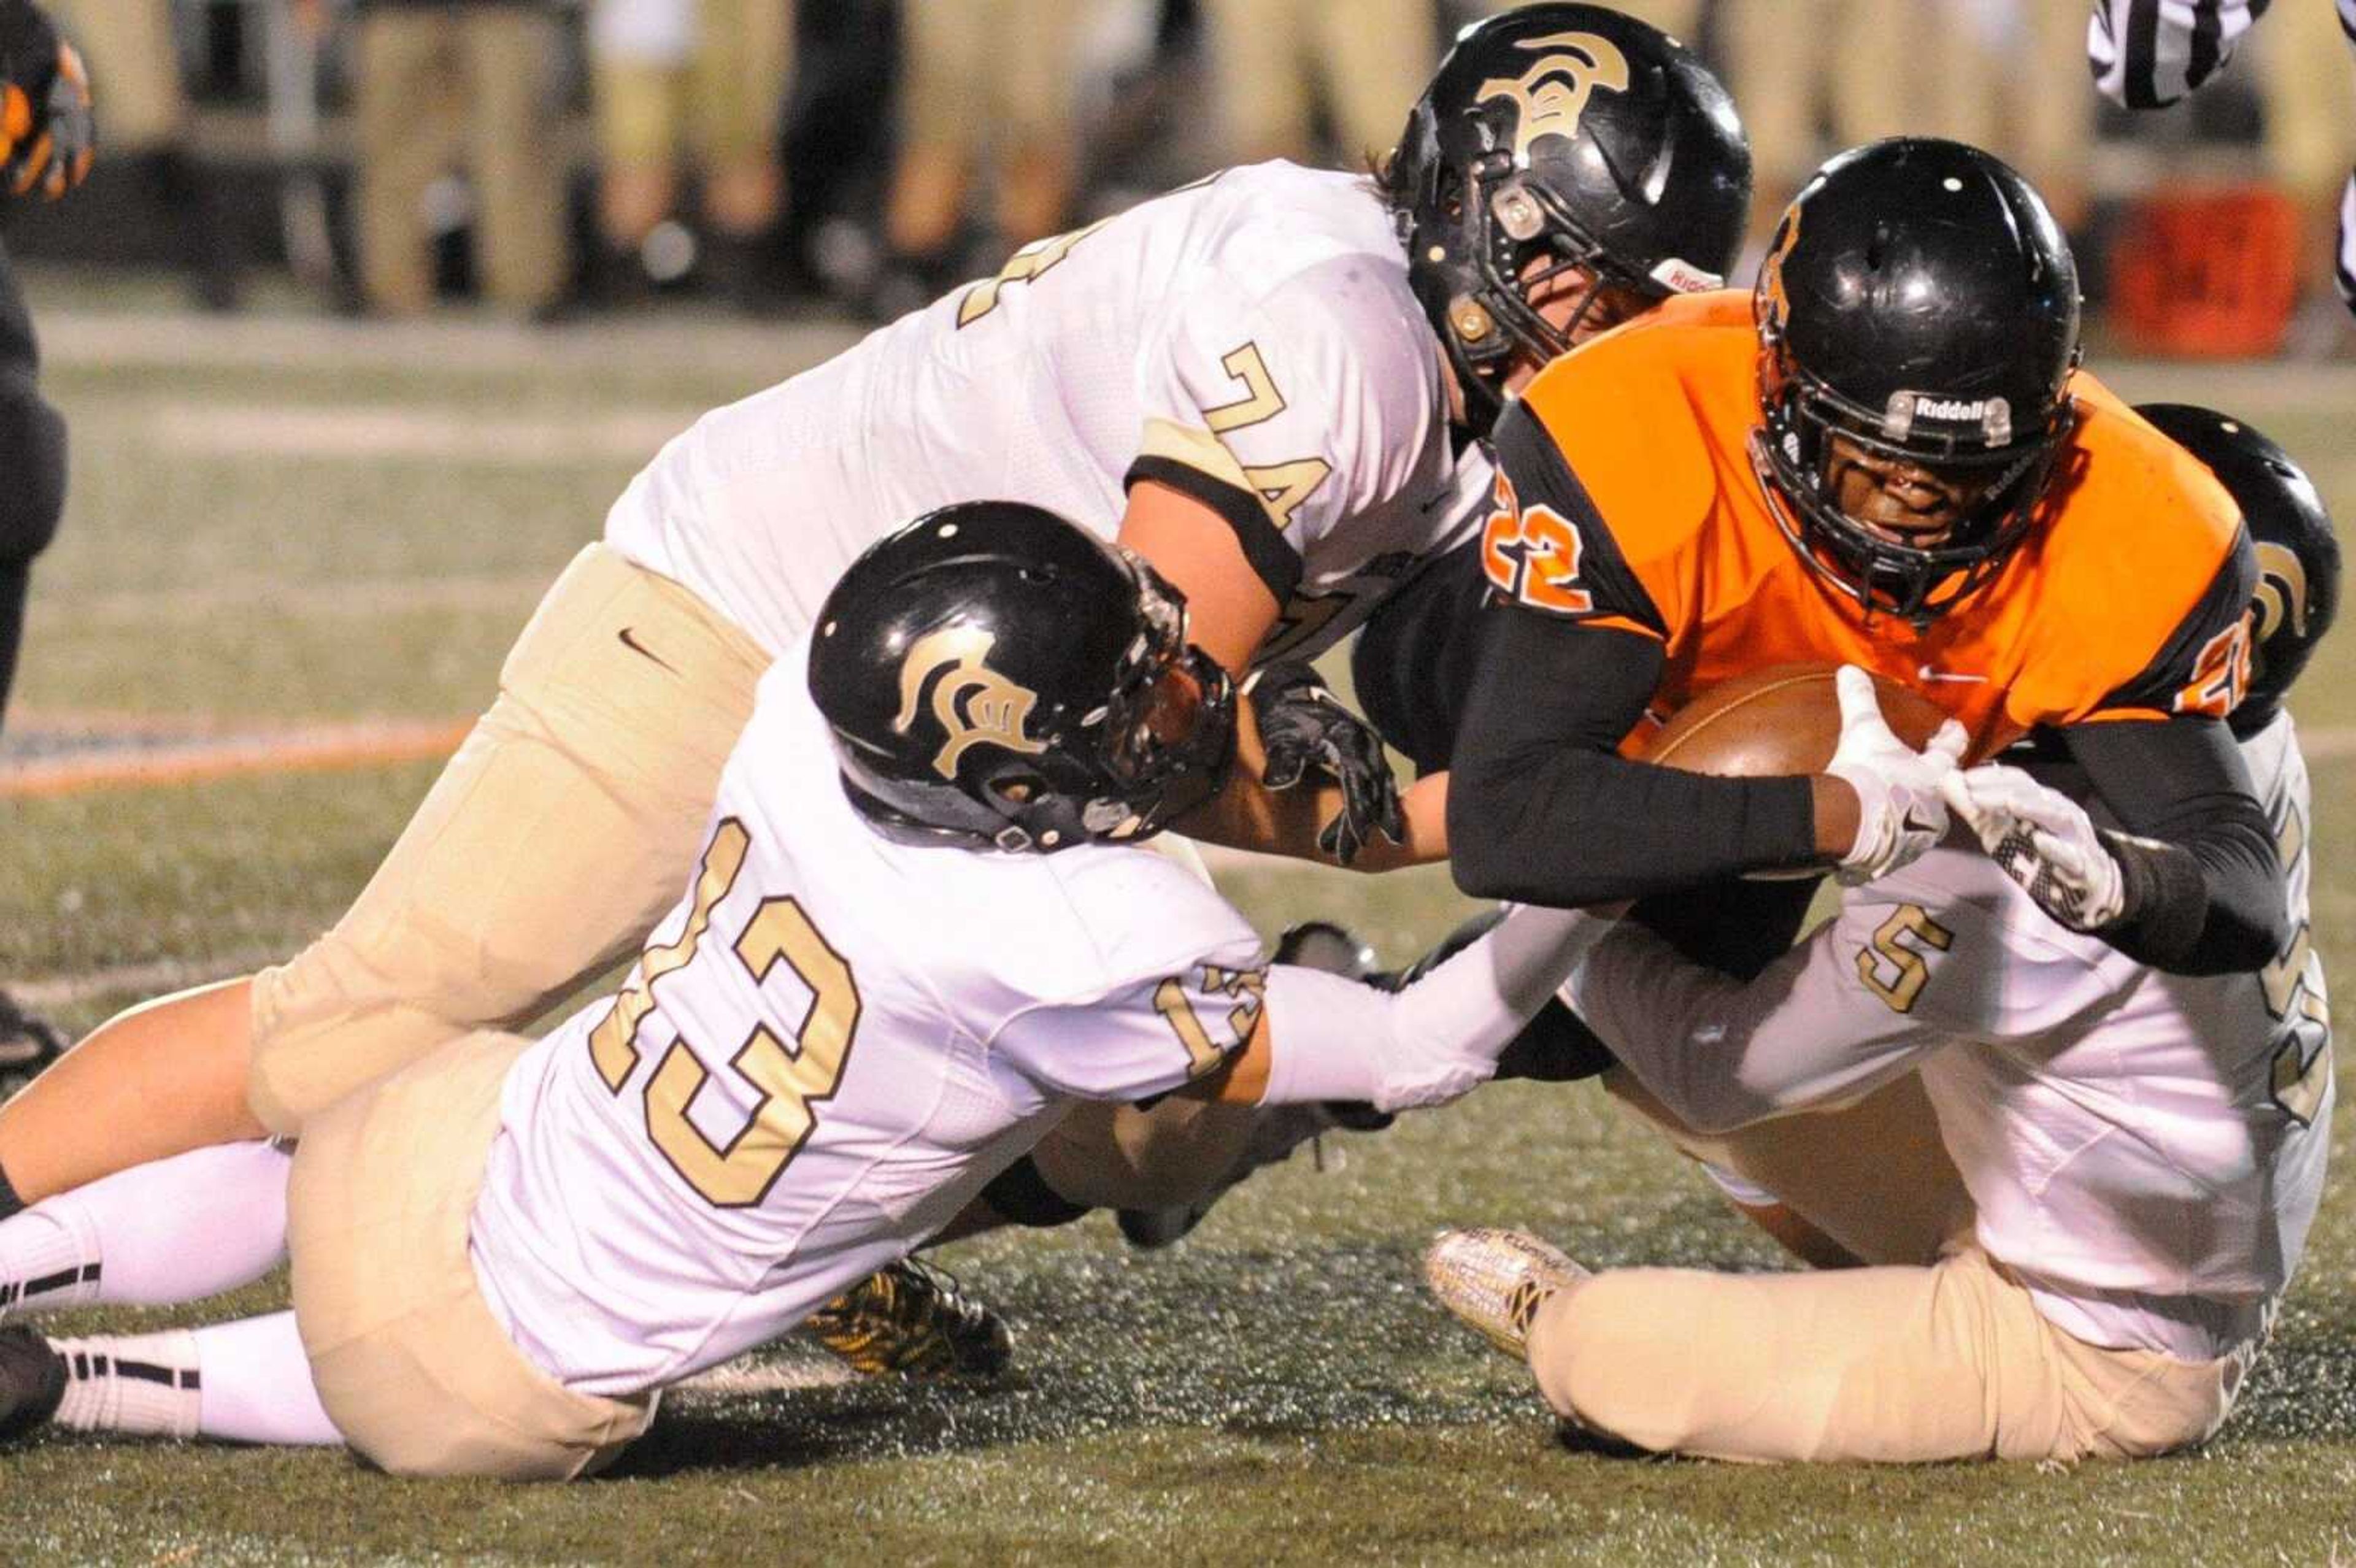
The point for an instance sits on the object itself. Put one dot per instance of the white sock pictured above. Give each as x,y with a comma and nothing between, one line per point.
131,1383
44,1264
257,1385
175,1230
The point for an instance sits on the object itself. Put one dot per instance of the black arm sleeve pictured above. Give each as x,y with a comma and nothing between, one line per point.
1542,809
2206,896
1414,661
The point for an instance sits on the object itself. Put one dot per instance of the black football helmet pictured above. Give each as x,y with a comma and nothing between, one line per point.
1571,135
995,676
2298,553
1920,300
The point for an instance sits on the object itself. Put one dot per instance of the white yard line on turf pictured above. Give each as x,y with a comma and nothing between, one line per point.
760,353
500,593
743,1380
375,432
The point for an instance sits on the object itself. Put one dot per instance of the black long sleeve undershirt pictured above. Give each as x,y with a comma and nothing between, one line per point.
2206,896
1541,809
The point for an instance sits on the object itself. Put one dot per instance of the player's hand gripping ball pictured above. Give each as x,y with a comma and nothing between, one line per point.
1902,815
1889,743
1303,727
47,133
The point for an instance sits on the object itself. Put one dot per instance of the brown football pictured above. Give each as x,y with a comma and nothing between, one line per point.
1785,719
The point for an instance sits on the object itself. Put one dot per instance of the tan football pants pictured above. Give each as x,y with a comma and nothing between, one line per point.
558,834
427,83
976,69
1948,1360
724,101
410,1363
1368,61
135,70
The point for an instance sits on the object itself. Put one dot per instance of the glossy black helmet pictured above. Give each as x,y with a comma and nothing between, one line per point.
1918,299
2298,553
1557,137
995,676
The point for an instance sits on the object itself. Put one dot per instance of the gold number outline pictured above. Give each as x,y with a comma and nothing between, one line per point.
1283,487
2292,989
1248,986
1914,970
790,1081
1039,257
1042,255
612,1043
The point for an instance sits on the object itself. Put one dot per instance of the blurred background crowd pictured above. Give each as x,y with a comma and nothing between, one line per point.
561,158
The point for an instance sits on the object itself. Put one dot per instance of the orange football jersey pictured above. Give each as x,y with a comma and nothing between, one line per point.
1626,497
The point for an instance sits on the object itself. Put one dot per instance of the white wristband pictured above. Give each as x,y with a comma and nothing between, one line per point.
1337,1039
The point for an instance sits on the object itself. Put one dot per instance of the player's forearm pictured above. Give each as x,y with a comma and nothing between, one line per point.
1570,827
1721,1054
1247,814
2204,896
1330,1038
1542,809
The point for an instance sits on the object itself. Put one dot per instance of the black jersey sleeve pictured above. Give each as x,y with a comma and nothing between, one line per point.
1543,809
2204,892
1413,662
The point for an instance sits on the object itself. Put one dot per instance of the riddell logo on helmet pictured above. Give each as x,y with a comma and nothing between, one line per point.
1993,416
1683,277
1553,93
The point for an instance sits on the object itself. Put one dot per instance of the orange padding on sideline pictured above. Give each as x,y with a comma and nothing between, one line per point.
299,751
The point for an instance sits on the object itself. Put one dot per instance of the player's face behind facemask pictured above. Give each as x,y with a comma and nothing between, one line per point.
1567,166
996,676
1918,324
2298,551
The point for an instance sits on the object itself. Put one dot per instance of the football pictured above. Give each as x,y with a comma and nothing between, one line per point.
1785,719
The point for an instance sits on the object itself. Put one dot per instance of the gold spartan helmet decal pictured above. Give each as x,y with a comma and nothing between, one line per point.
1553,93
2282,591
974,702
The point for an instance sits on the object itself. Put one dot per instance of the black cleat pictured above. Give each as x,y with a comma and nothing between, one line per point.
32,1382
27,1046
914,1319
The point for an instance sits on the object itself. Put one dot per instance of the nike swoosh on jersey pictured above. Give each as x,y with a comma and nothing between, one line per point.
631,642
1927,673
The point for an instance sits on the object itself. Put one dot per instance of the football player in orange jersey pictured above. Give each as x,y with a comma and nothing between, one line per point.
1887,457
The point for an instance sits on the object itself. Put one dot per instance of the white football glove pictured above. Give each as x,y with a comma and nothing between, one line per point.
1901,814
2042,840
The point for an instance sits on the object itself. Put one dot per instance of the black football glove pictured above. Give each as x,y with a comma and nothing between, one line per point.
47,134
1302,726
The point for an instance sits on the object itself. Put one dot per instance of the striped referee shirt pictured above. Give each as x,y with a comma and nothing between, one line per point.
2147,54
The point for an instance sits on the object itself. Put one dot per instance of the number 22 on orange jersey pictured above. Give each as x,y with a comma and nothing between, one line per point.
1531,554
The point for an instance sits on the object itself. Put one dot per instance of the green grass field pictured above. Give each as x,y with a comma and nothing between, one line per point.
289,524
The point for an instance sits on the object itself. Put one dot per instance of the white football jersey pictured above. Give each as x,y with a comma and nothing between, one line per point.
825,1050
1250,339
2146,1150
